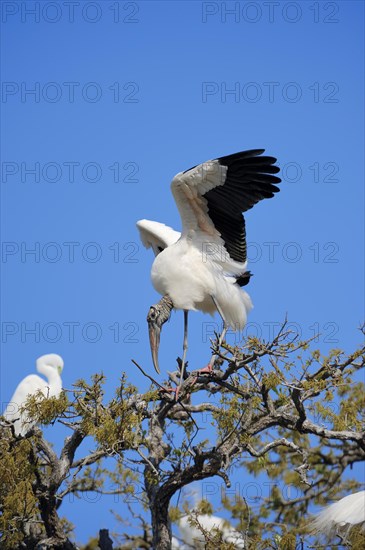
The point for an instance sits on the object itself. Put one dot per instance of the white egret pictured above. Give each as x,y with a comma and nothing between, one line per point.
205,266
193,535
175,544
345,513
50,366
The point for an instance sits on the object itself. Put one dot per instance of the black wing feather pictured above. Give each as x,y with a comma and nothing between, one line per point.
250,178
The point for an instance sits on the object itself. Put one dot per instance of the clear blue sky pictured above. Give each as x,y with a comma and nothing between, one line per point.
127,94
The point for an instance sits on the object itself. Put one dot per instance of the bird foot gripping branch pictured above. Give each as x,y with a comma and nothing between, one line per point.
208,369
191,378
184,376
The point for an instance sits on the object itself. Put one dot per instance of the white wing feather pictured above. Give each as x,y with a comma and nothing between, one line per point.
187,189
156,235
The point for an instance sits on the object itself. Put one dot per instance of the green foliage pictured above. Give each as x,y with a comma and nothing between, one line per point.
357,538
19,505
43,410
115,426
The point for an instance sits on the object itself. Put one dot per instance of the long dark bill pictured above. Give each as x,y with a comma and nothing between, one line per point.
154,332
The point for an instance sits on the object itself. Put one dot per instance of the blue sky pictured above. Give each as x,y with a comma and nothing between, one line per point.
127,94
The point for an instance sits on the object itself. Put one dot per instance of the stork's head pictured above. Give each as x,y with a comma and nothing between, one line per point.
157,316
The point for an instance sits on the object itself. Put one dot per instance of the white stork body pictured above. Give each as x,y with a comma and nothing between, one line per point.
180,272
204,267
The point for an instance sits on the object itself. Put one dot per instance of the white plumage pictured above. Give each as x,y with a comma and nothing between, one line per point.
345,513
180,272
205,266
193,536
50,366
175,544
157,235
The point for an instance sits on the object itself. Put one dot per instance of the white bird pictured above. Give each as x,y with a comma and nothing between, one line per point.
50,366
204,267
193,535
175,544
345,513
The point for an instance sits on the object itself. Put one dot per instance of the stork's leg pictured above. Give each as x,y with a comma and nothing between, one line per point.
183,361
210,366
185,347
222,335
213,358
225,325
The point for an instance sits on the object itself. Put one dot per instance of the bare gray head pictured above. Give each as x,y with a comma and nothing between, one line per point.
158,315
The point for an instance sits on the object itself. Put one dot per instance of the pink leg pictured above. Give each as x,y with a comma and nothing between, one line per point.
208,369
176,391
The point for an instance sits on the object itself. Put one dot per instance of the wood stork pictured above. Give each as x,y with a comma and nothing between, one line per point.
192,532
345,513
50,366
205,266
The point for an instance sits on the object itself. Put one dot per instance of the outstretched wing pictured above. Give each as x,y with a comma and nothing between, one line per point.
212,196
157,236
